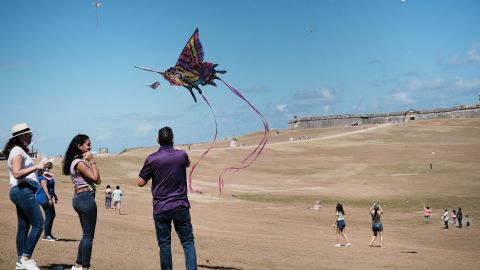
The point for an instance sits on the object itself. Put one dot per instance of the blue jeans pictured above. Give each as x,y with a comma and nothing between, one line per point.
86,208
28,214
50,214
183,226
108,203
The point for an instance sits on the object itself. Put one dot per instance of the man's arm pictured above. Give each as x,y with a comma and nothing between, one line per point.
141,182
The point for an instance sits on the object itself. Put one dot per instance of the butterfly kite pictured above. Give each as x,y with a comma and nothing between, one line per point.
191,72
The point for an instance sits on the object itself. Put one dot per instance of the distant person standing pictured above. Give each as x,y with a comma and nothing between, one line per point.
454,217
445,218
108,197
80,164
117,199
339,225
427,212
167,169
459,217
47,198
377,227
24,185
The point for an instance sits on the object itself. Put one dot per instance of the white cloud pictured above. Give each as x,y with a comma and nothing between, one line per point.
104,136
143,130
474,52
402,97
465,85
422,85
322,95
281,108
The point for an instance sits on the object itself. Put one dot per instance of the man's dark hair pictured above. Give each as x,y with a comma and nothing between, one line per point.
165,136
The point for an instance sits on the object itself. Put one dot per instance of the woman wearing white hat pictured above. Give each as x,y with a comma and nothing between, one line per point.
22,168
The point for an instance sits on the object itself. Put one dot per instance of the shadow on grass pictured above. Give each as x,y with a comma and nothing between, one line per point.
56,267
67,240
217,267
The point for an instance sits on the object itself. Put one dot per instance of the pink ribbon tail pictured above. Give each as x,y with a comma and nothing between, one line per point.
250,158
190,188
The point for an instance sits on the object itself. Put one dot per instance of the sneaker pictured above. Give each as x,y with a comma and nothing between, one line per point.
348,244
75,268
337,245
49,238
28,265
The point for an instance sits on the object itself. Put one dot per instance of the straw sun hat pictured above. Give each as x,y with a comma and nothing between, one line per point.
20,129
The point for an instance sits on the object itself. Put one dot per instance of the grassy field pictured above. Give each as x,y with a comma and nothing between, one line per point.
265,217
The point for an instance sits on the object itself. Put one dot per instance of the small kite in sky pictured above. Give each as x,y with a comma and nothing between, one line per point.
97,6
154,85
191,71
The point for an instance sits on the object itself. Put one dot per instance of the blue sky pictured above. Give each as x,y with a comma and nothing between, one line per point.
64,74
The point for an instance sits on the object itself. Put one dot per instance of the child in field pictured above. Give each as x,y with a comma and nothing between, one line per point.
108,197
427,212
340,225
467,221
117,199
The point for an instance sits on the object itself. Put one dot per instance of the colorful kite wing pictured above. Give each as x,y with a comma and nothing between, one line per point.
192,55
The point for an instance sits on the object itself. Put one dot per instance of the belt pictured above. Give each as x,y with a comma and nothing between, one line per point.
82,189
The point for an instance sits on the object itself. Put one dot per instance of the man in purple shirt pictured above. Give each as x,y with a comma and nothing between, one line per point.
167,169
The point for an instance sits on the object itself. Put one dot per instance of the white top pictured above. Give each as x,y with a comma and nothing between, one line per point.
117,195
445,216
340,216
27,163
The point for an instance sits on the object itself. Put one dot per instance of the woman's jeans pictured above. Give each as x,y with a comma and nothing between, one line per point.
28,214
183,226
49,210
86,208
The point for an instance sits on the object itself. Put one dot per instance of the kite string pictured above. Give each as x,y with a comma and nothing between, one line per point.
190,188
256,152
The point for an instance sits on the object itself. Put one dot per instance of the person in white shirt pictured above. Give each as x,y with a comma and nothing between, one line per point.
117,199
445,219
24,185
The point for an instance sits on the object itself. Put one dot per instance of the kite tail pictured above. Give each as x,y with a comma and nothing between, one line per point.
190,188
250,158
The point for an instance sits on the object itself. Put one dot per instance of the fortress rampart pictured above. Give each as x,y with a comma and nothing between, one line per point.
463,111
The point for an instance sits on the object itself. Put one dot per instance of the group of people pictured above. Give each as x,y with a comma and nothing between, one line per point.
377,227
166,168
117,195
456,215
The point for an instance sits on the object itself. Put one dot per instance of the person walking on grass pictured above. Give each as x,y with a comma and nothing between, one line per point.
117,199
108,197
339,225
167,169
427,212
80,164
445,219
23,181
377,227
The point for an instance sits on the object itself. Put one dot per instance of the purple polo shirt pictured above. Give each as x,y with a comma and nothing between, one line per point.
167,169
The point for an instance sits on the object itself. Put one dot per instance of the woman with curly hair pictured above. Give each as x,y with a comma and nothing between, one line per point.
80,164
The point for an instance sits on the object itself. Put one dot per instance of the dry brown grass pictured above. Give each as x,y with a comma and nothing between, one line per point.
264,218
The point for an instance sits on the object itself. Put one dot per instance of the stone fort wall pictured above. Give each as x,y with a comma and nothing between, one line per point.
463,111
